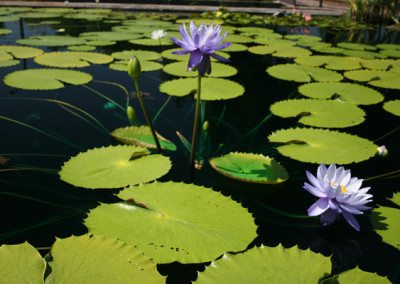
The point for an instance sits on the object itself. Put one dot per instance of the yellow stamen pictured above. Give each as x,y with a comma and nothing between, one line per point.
122,163
342,187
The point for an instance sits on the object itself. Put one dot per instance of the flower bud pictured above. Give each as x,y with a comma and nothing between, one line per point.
134,69
131,114
206,126
382,151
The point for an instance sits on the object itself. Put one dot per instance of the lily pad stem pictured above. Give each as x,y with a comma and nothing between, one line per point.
146,115
196,122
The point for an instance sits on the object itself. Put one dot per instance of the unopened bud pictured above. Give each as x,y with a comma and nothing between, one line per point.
206,126
134,69
382,151
131,114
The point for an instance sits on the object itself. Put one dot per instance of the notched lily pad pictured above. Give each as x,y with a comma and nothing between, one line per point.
51,40
330,62
72,59
140,54
109,36
250,167
280,51
357,276
45,79
382,79
301,73
114,167
322,146
141,136
320,113
393,107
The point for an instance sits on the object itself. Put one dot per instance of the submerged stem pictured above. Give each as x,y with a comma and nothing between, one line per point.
196,122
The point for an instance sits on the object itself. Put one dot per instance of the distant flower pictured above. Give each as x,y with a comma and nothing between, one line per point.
382,151
157,34
203,43
339,194
306,17
66,3
97,1
294,11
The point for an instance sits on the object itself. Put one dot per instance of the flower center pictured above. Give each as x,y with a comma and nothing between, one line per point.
344,189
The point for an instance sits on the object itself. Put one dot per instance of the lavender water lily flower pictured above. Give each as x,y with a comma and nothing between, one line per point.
339,194
202,44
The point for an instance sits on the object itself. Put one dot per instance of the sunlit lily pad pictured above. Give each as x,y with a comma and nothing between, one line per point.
250,167
386,222
303,37
280,51
152,42
81,48
218,70
267,265
175,222
328,49
364,54
235,48
395,53
113,167
101,42
72,59
322,146
382,64
357,276
356,46
302,73
109,36
10,18
382,79
145,65
254,30
85,16
141,136
45,79
330,62
392,107
348,92
38,15
5,31
237,38
320,113
275,41
211,88
140,54
51,40
8,63
388,46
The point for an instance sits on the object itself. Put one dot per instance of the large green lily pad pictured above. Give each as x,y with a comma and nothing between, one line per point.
114,167
280,51
5,31
152,42
51,40
301,73
141,136
140,54
382,79
381,64
175,222
356,46
211,88
66,59
45,79
393,107
250,167
357,276
330,62
20,52
262,265
110,36
320,113
322,146
348,92
218,70
386,222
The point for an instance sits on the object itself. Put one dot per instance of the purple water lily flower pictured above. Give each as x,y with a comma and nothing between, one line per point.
203,43
339,194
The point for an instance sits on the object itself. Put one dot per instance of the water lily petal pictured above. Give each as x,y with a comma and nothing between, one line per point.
222,46
351,220
314,190
318,207
180,52
195,59
350,209
220,58
182,44
321,172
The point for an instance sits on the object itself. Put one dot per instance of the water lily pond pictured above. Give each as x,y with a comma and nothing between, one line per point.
294,175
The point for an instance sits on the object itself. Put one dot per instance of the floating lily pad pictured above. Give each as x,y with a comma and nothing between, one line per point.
274,41
364,54
386,222
388,46
235,48
356,46
330,62
5,31
8,63
141,136
314,44
357,276
237,38
10,18
168,54
328,49
254,30
81,48
108,36
322,146
145,65
51,40
140,54
218,70
280,51
320,113
301,73
211,88
175,222
45,79
267,265
21,264
348,92
393,107
303,37
85,16
72,59
114,167
152,42
382,64
38,15
382,79
101,42
250,167
395,53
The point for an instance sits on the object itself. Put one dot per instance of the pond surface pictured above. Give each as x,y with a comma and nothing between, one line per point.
36,206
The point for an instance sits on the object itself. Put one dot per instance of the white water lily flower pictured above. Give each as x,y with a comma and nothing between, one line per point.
339,194
157,34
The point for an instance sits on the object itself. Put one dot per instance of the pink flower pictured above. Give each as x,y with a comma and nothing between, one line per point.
306,17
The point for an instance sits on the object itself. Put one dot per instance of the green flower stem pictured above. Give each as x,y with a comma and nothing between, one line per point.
382,175
387,134
105,97
196,121
161,109
139,94
283,213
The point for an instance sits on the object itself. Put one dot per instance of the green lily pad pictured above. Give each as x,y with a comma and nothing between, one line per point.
218,70
21,264
237,38
92,259
357,276
51,40
81,48
314,44
8,63
145,65
386,222
45,79
72,59
85,16
381,64
395,53
328,49
168,54
330,62
141,136
237,47
382,79
302,73
280,51
356,46
38,15
108,36
393,107
140,54
254,30
274,41
388,46
101,42
320,113
211,88
364,54
267,265
175,222
152,42
348,92
10,18
5,31
114,167
322,146
303,37
250,167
